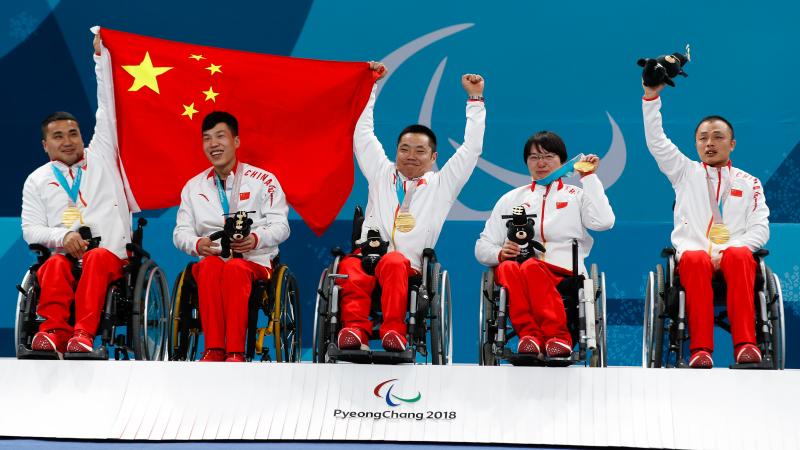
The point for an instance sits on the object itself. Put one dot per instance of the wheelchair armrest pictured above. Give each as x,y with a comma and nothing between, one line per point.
137,250
669,251
41,251
337,251
430,253
760,253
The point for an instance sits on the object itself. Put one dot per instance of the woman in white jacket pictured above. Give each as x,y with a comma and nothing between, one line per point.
564,212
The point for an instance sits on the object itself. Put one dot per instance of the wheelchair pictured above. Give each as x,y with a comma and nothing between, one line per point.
585,305
138,302
273,312
428,320
665,337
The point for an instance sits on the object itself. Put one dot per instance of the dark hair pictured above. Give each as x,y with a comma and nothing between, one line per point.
419,129
711,119
216,117
547,141
56,116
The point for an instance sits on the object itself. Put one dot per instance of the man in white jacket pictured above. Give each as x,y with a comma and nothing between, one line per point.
720,219
564,212
408,203
77,188
224,284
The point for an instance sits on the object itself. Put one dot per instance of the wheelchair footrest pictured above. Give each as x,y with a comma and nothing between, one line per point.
763,365
99,354
26,353
527,359
371,357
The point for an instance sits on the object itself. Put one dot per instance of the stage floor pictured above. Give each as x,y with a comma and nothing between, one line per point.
617,406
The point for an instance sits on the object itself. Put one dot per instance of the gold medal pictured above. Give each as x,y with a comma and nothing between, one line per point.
404,222
719,233
584,166
70,216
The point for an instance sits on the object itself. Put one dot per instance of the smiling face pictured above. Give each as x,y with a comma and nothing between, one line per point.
715,142
542,163
415,155
63,142
219,145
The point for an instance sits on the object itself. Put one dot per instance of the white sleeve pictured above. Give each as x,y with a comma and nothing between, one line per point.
669,158
488,245
596,212
459,167
276,211
184,236
369,152
104,139
756,232
35,229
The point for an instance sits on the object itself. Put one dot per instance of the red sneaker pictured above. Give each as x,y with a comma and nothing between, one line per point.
393,342
81,342
748,353
529,345
557,348
701,359
46,341
235,357
213,355
350,339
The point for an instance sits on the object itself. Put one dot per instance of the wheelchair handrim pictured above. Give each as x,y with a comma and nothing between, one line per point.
782,337
314,346
20,299
156,352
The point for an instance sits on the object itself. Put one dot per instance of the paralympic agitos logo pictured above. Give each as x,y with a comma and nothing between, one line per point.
390,397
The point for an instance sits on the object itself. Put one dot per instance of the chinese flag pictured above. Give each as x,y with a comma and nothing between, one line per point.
296,118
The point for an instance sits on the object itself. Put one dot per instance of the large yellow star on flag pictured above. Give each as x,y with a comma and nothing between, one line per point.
145,74
210,94
214,69
189,111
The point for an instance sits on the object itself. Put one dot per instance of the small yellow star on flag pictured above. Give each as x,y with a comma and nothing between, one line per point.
210,94
189,111
145,74
214,69
197,57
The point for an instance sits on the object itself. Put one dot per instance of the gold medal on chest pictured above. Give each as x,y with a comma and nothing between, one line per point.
71,215
405,222
719,233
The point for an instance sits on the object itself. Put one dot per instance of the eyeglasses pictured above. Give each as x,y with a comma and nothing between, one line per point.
544,156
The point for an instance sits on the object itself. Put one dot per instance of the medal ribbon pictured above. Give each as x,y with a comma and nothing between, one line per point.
72,191
404,197
715,200
564,171
223,198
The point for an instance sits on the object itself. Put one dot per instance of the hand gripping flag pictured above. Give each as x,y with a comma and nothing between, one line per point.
296,118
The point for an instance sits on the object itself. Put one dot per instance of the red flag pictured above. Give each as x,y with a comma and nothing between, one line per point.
296,118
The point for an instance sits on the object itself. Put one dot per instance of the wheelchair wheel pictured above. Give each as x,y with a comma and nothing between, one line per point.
150,300
441,316
286,316
653,332
599,358
776,318
321,326
184,326
486,356
25,320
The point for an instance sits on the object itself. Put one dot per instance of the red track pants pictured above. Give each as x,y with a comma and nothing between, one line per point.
739,269
100,268
534,304
223,292
392,273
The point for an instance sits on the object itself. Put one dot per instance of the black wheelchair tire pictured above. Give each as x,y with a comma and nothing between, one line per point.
149,274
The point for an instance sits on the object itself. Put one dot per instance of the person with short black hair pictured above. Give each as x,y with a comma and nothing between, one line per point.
207,200
721,217
77,188
563,213
408,204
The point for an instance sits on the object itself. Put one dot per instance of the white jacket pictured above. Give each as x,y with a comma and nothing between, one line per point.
564,212
200,213
435,193
102,199
744,212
